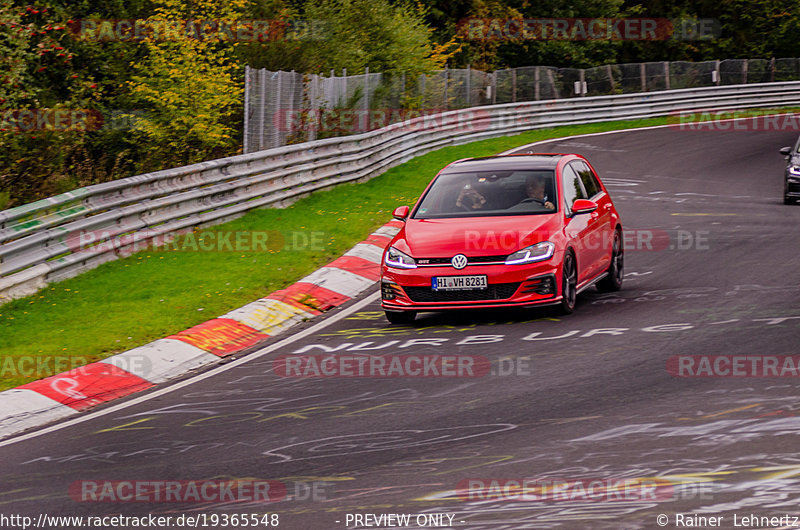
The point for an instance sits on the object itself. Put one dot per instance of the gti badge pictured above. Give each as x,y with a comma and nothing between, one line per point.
459,261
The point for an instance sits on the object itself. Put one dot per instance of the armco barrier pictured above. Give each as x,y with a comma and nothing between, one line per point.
37,243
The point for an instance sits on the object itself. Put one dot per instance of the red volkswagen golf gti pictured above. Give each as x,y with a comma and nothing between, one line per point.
503,231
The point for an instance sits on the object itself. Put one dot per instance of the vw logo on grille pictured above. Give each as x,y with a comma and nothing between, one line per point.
459,261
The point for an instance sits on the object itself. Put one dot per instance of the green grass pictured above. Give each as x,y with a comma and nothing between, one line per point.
152,294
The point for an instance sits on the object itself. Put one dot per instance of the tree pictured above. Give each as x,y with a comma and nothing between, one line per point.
189,85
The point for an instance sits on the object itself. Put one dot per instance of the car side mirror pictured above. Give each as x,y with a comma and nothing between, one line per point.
582,206
400,213
786,151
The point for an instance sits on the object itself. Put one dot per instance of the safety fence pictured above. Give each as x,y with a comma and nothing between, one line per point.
277,104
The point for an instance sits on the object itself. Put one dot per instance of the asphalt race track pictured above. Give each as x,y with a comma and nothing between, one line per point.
711,269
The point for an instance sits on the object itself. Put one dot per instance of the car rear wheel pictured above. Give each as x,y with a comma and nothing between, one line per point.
401,317
569,284
613,280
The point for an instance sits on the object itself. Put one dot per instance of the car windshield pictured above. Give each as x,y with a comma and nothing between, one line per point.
485,193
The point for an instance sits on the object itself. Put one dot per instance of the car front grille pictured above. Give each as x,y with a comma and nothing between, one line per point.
497,291
474,260
794,187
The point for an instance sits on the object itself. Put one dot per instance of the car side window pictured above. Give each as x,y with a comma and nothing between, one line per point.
571,186
588,179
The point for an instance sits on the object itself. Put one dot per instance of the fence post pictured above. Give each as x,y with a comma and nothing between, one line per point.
716,69
446,103
312,121
514,85
642,74
276,140
772,70
494,87
366,100
666,75
552,81
469,86
344,86
366,88
403,89
582,81
536,90
246,106
744,71
611,78
262,80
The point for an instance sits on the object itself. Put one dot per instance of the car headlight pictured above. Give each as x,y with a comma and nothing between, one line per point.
794,170
531,254
399,260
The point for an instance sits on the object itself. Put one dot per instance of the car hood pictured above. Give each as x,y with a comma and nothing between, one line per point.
484,236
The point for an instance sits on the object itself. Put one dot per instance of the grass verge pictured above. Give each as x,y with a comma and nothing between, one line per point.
155,293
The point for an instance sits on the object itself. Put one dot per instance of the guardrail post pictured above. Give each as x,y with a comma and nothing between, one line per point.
744,71
582,81
717,72
666,75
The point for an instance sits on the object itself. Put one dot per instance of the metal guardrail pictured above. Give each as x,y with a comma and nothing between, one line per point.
40,241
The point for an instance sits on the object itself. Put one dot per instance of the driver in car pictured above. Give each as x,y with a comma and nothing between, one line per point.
534,186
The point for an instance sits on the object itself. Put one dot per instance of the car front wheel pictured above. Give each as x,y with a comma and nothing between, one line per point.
569,284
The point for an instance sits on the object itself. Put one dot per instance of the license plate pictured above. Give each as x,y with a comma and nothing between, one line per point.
459,283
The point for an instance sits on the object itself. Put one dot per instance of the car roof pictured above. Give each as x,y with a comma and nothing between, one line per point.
507,162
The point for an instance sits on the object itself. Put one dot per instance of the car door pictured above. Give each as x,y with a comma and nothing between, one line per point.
578,228
601,219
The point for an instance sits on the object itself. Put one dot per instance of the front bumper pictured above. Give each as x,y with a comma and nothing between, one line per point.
509,286
792,186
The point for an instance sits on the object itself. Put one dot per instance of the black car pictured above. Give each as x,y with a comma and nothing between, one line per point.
791,175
